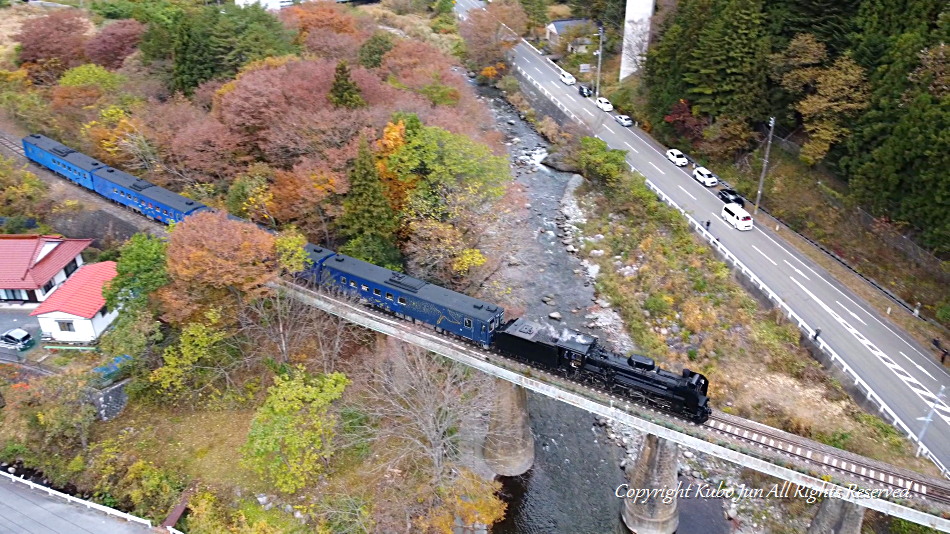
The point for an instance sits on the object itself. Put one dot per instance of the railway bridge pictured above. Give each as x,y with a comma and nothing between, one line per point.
820,469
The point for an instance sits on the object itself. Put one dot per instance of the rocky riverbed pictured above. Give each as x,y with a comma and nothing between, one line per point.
571,487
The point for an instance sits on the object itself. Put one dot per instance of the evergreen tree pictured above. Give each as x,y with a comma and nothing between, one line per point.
667,58
830,21
366,211
372,52
344,93
726,74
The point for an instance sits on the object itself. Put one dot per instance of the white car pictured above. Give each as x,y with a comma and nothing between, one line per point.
568,78
604,104
705,176
677,158
624,120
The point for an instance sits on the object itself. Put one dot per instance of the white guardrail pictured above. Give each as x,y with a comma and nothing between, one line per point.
87,504
804,327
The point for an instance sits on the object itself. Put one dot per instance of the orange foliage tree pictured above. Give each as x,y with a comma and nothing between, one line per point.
215,261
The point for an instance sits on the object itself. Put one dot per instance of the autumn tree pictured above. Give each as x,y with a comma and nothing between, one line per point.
214,261
425,406
114,42
469,498
491,32
291,438
344,93
200,363
601,163
22,194
65,413
306,196
56,39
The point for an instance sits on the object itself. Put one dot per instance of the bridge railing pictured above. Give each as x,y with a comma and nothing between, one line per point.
871,395
83,502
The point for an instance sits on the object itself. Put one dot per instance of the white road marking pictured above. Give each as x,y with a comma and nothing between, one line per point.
657,168
539,70
764,255
922,370
608,129
922,392
850,312
683,190
635,151
588,112
571,97
799,272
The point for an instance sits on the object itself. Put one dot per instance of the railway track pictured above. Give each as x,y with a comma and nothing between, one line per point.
809,452
10,145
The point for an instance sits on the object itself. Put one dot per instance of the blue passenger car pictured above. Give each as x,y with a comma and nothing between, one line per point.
59,158
144,197
412,298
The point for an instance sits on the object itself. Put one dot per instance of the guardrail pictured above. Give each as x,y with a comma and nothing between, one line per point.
871,395
87,504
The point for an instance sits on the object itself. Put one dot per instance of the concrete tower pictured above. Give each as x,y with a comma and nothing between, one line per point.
636,35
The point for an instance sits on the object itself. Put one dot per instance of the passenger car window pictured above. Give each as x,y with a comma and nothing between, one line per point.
468,323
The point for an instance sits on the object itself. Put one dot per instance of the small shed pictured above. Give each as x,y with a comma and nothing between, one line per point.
76,312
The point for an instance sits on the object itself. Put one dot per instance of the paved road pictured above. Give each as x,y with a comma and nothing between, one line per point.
27,511
897,368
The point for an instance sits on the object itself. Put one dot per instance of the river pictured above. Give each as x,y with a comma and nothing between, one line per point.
570,489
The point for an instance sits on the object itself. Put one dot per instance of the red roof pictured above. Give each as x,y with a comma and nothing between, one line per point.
23,268
81,294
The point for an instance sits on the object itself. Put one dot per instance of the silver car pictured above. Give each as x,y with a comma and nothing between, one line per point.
624,120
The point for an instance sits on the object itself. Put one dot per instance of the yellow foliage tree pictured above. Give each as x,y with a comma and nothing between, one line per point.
470,498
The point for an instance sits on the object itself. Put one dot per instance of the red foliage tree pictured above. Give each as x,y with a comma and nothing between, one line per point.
415,64
687,125
115,42
59,37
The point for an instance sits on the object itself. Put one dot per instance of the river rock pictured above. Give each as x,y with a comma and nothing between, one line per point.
558,162
688,454
555,315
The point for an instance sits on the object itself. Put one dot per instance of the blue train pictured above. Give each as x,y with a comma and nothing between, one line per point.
120,187
566,352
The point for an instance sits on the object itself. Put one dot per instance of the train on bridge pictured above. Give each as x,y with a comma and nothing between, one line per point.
569,353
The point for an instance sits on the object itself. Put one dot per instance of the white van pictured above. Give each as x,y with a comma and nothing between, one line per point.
736,216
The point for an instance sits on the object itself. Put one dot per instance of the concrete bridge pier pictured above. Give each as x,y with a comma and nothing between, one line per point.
655,468
509,445
836,516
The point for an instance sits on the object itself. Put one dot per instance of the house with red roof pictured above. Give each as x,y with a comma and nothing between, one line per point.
77,312
33,266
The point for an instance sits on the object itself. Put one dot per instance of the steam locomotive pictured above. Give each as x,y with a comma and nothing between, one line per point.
569,353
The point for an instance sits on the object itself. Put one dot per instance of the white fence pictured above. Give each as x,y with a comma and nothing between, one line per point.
804,327
87,504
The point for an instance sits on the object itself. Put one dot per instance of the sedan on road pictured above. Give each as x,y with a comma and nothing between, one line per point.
705,176
585,90
568,78
676,157
605,104
624,120
730,196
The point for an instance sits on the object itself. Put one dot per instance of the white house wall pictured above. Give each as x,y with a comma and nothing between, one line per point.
86,330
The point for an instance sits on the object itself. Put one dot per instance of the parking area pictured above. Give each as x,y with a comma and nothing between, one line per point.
20,318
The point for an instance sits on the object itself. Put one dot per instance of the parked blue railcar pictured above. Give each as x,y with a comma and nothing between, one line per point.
144,197
412,298
59,158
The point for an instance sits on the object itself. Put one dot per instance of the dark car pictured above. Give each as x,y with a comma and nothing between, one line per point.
730,196
584,90
16,339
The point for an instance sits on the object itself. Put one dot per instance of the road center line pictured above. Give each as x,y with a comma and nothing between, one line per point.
850,312
635,151
764,255
587,111
539,70
657,168
685,191
799,272
571,97
608,129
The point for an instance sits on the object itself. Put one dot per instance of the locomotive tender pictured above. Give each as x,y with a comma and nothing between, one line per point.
572,354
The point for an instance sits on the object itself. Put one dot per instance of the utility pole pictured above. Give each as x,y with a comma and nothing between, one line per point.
600,56
765,164
926,420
